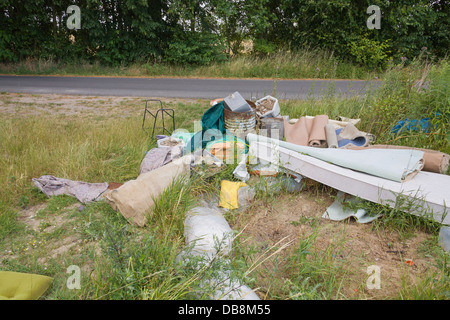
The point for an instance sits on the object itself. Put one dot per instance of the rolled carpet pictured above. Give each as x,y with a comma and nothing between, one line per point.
434,161
307,131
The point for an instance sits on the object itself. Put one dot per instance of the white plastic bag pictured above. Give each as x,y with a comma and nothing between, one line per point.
275,112
209,237
208,231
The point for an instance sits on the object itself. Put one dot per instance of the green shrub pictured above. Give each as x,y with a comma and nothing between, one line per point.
262,47
370,53
194,48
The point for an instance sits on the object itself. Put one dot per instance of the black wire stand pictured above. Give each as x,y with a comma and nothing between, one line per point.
162,112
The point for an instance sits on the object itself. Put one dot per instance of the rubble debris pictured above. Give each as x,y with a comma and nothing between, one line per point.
332,152
267,107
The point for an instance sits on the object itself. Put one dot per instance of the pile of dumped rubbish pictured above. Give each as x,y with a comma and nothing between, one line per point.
259,141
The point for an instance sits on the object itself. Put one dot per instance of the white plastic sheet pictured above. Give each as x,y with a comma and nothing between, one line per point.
337,211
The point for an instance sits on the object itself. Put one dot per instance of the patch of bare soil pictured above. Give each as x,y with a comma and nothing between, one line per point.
42,226
355,246
28,216
21,104
60,247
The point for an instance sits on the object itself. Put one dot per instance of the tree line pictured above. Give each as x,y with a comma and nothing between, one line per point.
119,32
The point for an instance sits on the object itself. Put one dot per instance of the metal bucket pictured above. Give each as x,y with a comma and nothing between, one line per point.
272,128
240,124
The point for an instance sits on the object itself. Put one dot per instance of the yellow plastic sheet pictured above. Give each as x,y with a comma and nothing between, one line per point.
229,194
22,286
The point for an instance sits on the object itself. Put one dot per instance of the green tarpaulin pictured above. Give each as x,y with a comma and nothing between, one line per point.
213,122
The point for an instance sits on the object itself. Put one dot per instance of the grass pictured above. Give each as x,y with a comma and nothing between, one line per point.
121,261
306,63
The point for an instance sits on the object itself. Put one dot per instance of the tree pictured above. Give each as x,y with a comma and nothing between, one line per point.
239,19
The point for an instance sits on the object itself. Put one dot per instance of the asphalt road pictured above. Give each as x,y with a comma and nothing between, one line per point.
182,87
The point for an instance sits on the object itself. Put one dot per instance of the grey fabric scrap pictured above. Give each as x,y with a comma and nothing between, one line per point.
157,157
85,192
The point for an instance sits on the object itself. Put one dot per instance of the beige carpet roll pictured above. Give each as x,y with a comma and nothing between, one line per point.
434,161
307,131
331,136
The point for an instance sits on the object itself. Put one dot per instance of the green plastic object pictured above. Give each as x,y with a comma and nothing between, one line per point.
22,286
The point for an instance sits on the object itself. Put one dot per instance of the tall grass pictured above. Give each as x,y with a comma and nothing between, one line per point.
69,148
305,63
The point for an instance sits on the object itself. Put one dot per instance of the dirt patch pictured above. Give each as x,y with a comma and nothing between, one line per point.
350,244
61,247
28,216
42,226
21,104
